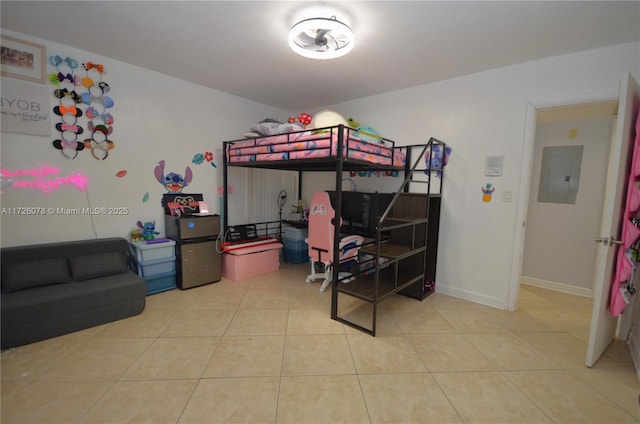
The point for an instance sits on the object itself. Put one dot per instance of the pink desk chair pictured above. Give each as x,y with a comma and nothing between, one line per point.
320,240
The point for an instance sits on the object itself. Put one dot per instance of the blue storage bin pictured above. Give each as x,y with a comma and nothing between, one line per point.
293,233
161,282
155,267
295,256
295,244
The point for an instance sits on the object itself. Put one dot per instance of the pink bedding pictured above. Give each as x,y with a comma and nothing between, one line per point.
305,145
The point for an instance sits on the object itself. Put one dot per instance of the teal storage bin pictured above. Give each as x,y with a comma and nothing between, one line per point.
161,282
295,256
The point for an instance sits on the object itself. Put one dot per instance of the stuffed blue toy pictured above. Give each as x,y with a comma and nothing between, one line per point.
436,160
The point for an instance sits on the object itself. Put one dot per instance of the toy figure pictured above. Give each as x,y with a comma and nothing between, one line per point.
148,230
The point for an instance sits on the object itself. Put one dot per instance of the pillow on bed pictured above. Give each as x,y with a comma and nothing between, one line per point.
272,127
327,118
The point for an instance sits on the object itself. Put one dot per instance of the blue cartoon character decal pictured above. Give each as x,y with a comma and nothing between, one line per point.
174,183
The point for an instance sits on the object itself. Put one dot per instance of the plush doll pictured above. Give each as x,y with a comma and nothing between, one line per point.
304,119
148,230
437,159
364,133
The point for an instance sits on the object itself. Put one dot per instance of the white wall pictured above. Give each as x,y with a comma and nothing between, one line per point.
156,117
479,115
159,117
559,249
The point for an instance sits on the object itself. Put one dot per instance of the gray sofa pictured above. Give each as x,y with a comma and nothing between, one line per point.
53,289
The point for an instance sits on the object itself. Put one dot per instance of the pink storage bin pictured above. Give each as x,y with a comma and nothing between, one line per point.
251,262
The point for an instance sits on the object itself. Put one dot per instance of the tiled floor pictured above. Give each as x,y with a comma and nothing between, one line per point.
266,351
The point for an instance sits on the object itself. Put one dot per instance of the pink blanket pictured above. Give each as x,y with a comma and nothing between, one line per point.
306,145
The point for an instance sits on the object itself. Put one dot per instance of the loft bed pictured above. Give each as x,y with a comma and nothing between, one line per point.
338,149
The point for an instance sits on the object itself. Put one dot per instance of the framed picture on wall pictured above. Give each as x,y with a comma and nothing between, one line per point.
22,59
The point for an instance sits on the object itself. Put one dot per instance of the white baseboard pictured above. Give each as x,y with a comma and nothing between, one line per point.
559,287
471,296
634,348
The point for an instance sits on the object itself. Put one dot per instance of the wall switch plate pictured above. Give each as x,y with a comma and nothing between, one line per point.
507,195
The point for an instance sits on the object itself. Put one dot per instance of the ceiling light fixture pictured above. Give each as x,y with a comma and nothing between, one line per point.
321,38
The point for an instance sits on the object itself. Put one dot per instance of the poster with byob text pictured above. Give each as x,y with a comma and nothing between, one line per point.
25,108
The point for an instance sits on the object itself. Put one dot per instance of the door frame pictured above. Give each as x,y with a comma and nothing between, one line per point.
529,140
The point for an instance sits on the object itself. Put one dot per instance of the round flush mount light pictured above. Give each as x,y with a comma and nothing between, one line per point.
321,38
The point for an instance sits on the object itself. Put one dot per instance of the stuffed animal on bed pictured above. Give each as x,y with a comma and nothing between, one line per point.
304,119
271,127
327,118
364,133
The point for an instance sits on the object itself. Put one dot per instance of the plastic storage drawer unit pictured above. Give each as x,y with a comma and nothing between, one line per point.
143,252
155,267
161,282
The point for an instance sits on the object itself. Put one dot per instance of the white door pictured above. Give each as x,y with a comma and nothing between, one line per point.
603,325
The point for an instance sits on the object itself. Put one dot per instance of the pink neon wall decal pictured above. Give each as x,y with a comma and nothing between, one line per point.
45,179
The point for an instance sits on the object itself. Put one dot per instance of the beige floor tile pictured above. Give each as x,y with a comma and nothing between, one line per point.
97,360
427,320
312,321
473,320
155,402
564,349
266,322
220,298
619,351
172,299
361,314
150,323
384,354
52,402
30,361
266,299
449,352
406,398
619,385
509,352
532,297
310,299
265,350
248,356
488,397
175,357
321,399
233,400
565,399
200,322
317,355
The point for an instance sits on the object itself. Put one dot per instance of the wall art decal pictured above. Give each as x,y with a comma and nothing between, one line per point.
44,178
25,108
487,191
22,59
200,158
172,182
82,102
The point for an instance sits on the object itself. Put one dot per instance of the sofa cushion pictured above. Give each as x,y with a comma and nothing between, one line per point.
29,274
98,265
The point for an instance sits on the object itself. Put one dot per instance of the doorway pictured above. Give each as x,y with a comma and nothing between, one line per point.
559,252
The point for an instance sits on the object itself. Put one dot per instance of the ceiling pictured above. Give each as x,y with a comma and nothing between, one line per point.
240,47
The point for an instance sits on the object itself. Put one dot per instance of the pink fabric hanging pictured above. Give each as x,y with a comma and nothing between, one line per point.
630,234
633,199
624,266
